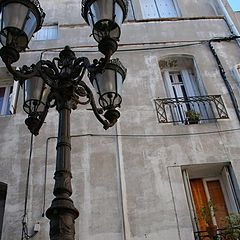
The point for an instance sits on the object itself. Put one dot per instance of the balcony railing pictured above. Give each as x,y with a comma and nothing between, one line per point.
175,110
232,233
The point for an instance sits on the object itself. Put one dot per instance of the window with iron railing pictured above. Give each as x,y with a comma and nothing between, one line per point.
190,110
187,101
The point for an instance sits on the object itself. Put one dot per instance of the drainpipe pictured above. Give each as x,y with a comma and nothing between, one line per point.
222,72
121,185
229,21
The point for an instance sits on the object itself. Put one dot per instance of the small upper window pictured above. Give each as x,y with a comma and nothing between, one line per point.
47,33
5,98
158,9
9,90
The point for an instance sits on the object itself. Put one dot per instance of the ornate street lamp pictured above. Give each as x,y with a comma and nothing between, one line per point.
105,18
59,83
19,20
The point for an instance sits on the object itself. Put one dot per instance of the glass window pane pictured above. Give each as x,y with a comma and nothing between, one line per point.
14,15
102,9
30,25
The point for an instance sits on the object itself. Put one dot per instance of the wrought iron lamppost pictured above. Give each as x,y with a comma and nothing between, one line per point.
59,83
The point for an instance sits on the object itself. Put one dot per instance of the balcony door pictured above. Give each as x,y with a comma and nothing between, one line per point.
180,87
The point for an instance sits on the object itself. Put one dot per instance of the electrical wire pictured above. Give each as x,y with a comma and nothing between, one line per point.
154,135
25,233
142,47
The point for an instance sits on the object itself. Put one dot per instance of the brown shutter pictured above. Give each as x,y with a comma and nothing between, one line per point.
200,200
217,198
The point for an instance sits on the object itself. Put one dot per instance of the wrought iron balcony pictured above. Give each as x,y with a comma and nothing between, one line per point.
232,233
187,110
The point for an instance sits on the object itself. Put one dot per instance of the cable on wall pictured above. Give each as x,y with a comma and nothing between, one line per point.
222,71
25,233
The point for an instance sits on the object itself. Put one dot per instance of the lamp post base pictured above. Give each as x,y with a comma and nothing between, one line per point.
62,215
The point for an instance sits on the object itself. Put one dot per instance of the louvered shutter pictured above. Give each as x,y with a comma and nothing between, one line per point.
200,201
217,198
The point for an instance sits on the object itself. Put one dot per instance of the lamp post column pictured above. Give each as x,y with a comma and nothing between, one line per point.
62,213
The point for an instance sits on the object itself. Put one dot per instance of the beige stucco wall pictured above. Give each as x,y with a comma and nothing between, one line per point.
128,186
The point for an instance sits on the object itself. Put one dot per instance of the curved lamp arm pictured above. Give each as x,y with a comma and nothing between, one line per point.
105,123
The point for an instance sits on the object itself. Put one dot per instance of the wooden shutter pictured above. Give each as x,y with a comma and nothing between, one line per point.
217,198
215,195
200,201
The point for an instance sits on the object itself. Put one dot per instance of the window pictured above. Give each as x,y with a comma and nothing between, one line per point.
158,9
187,101
210,186
47,33
5,95
9,90
3,193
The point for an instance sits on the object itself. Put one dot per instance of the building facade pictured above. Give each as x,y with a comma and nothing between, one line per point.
174,153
